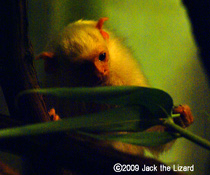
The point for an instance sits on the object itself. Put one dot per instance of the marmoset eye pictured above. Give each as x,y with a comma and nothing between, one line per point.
102,56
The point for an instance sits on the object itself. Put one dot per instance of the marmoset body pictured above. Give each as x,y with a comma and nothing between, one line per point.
86,55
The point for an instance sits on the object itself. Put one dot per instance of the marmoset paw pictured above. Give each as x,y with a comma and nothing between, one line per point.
53,115
186,117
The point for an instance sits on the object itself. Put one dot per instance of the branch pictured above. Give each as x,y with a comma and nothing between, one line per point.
17,69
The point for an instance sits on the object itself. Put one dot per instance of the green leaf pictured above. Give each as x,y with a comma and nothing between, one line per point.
130,116
153,99
138,138
117,119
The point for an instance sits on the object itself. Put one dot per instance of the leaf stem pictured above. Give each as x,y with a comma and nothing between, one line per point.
187,134
175,115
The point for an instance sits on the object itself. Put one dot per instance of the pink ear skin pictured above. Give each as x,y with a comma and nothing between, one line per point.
99,26
50,63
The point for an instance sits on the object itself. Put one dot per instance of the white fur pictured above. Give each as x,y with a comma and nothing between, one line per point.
81,39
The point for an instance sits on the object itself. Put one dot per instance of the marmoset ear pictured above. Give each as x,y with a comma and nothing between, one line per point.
50,62
99,26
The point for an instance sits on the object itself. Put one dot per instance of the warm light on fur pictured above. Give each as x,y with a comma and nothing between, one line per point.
73,60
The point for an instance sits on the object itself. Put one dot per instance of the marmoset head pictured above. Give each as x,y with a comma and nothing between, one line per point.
80,49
